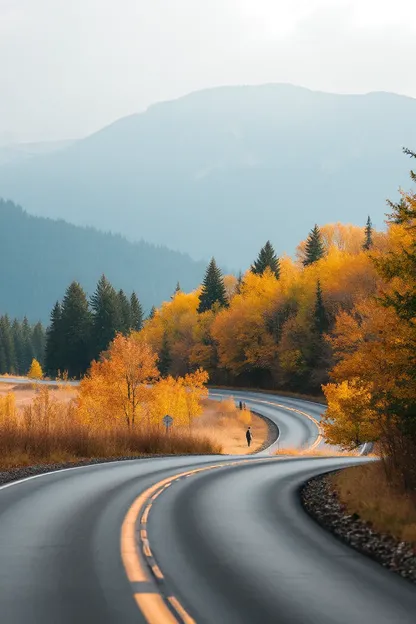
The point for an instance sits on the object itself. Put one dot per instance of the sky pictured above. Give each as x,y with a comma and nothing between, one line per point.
70,67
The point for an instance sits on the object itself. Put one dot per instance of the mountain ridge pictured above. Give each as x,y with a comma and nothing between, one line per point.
219,171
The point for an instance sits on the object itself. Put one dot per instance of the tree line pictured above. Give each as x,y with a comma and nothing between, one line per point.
268,327
81,329
20,343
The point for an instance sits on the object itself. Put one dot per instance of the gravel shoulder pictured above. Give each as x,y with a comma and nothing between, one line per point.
321,502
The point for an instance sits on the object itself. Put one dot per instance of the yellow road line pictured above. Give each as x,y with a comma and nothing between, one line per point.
155,609
180,610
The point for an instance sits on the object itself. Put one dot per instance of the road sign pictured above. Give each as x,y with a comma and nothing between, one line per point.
167,421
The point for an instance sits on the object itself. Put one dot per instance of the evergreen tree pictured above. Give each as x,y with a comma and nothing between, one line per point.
8,354
27,346
368,241
39,343
213,289
267,259
239,284
76,327
177,290
152,312
125,312
165,359
107,319
54,343
320,314
136,313
314,249
18,346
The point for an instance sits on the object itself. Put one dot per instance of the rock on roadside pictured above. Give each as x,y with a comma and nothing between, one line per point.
321,501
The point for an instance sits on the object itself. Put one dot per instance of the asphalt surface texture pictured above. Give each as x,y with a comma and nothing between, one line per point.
232,543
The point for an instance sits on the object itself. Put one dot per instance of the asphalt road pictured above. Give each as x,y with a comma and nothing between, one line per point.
231,544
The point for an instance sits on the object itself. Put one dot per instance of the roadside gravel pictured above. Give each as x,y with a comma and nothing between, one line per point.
322,503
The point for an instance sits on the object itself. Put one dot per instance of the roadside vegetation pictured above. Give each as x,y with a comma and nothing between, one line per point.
117,413
377,500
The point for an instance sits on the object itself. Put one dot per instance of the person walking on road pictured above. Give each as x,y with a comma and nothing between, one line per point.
249,436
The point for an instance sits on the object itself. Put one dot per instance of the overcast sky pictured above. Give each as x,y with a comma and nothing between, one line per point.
69,67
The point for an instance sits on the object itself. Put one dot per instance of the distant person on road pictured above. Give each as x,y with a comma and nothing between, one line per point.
249,436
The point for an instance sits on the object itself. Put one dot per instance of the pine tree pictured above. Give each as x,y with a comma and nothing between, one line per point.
18,346
165,359
314,249
39,343
8,354
152,312
177,290
136,312
27,346
320,313
213,289
125,312
239,284
54,343
35,371
106,316
368,241
267,259
76,325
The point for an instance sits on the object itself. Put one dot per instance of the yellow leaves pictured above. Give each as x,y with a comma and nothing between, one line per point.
35,371
350,419
117,389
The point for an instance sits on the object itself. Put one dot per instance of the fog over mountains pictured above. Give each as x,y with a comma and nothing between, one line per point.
220,171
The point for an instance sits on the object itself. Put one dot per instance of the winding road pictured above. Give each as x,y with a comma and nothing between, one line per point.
189,539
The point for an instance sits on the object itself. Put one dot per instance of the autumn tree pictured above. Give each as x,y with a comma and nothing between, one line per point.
213,289
116,388
35,371
267,259
314,249
368,235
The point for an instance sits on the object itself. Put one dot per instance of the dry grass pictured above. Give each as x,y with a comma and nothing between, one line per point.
226,426
364,490
295,452
47,430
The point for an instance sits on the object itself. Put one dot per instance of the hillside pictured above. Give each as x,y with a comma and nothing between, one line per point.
39,257
220,171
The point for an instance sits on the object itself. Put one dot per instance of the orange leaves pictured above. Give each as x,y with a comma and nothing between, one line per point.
350,419
116,387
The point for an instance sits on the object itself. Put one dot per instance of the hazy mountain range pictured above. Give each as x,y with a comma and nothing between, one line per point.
221,171
39,258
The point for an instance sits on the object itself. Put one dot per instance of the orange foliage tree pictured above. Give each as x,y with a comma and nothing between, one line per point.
116,389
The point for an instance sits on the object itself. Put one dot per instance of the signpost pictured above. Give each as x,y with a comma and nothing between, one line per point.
168,422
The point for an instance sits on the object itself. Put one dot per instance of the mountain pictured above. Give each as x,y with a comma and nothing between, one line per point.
17,152
39,258
220,171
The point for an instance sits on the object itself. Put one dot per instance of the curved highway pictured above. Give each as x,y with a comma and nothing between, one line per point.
187,539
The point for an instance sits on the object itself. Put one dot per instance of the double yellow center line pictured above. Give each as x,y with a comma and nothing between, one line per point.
155,603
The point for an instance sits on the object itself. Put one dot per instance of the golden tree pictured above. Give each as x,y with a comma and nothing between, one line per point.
35,371
116,388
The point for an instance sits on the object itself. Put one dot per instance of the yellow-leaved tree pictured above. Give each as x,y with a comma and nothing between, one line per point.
116,388
35,371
